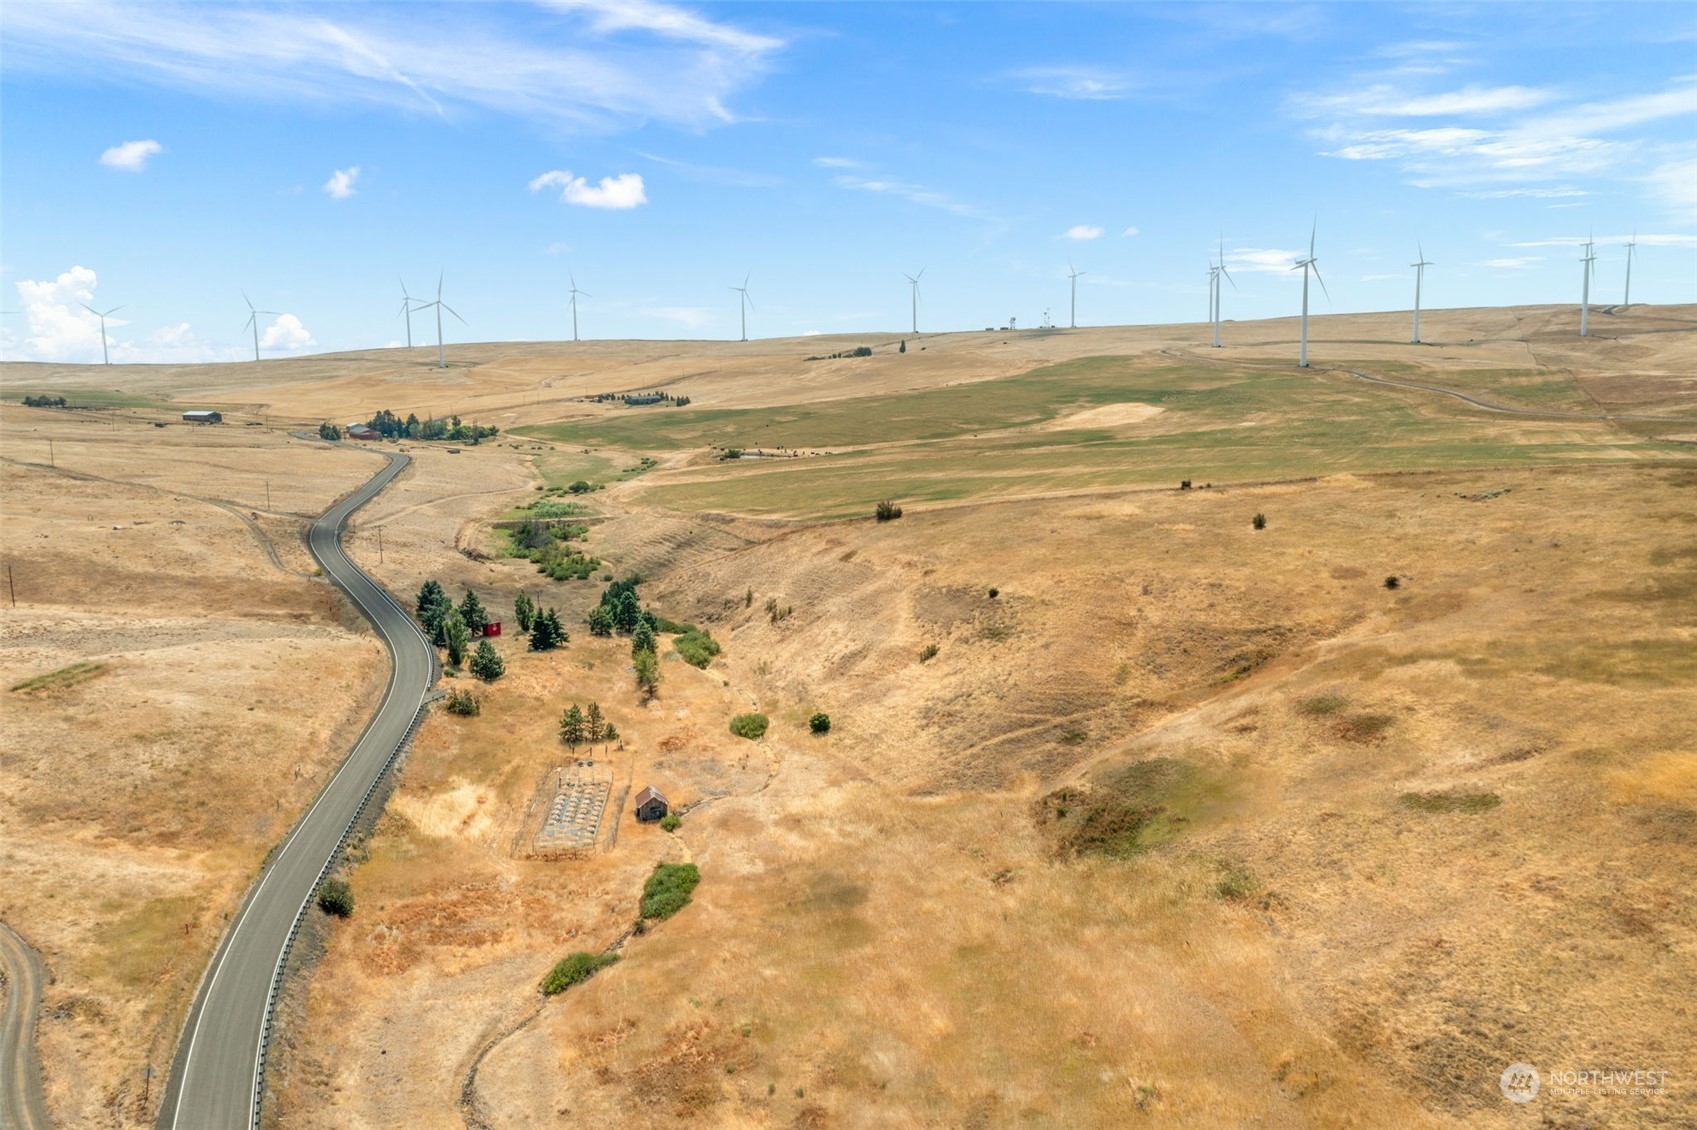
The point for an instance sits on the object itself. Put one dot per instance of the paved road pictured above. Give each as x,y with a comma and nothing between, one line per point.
218,1073
21,1105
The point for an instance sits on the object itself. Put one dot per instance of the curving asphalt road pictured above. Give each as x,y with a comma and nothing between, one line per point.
21,1105
217,1076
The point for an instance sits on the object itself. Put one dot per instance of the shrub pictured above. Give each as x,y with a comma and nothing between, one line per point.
820,723
697,647
671,822
574,969
600,621
887,511
928,653
1392,581
1259,521
486,663
336,897
1468,803
668,888
463,703
750,726
580,487
524,611
1236,882
994,593
329,431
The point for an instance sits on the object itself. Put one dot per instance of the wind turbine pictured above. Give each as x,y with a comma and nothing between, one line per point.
1215,273
1631,243
441,359
1586,261
1419,272
744,302
407,307
1303,265
913,280
1074,277
575,292
105,359
253,321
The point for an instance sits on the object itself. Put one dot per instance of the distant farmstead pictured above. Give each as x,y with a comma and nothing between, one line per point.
644,398
360,431
650,805
203,417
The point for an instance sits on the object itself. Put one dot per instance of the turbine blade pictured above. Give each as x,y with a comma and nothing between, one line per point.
1312,232
247,300
1228,275
455,313
114,310
1320,280
920,275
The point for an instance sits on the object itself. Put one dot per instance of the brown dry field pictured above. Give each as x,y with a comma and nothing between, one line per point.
890,929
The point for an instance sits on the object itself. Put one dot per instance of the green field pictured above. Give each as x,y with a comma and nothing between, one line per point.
1220,424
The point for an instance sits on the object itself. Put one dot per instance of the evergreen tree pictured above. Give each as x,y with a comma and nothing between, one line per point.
455,636
647,673
600,621
571,726
609,733
433,607
486,664
595,725
643,639
524,611
647,617
472,613
627,612
546,633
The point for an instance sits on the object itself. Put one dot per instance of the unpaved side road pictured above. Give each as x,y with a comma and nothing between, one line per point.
21,1104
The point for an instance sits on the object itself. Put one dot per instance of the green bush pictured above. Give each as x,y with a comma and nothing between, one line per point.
671,822
750,726
928,653
486,663
887,511
574,969
697,646
463,703
336,897
820,723
667,890
1236,882
1259,521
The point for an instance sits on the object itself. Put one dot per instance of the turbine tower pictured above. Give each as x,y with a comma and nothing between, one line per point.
1630,244
744,302
1074,277
441,358
575,292
106,359
1303,265
253,321
913,281
1586,261
1215,274
1419,273
407,307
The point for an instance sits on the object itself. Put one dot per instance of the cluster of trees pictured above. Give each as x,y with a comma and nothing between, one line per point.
44,402
579,726
621,611
329,431
390,426
858,351
548,546
642,398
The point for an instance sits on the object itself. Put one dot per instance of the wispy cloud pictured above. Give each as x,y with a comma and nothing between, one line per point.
1083,83
622,191
1272,260
592,63
1384,100
131,156
838,163
1082,232
340,186
1516,264
557,249
1675,185
914,194
1129,232
714,174
1529,193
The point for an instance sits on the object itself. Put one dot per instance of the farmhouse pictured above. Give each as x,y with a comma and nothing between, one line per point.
650,805
200,416
360,431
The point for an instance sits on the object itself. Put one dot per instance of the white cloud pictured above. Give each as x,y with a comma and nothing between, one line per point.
1529,193
1378,278
1131,231
1675,185
589,63
1083,232
1516,264
915,194
340,186
557,249
59,328
131,156
1271,260
837,163
286,333
622,191
1075,82
1384,100
809,333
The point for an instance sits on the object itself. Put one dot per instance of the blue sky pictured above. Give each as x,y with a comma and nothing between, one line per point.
168,157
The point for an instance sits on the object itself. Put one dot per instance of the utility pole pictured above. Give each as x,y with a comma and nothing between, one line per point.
10,587
380,545
267,494
50,460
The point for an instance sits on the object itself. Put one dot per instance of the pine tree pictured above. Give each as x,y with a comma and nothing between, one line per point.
571,726
595,725
600,621
472,613
609,733
546,633
486,664
524,611
647,673
643,639
433,607
627,613
455,636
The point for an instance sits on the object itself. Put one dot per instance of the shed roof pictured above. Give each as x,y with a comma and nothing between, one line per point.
648,793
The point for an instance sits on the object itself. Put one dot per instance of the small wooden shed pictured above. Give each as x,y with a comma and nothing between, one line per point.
650,805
